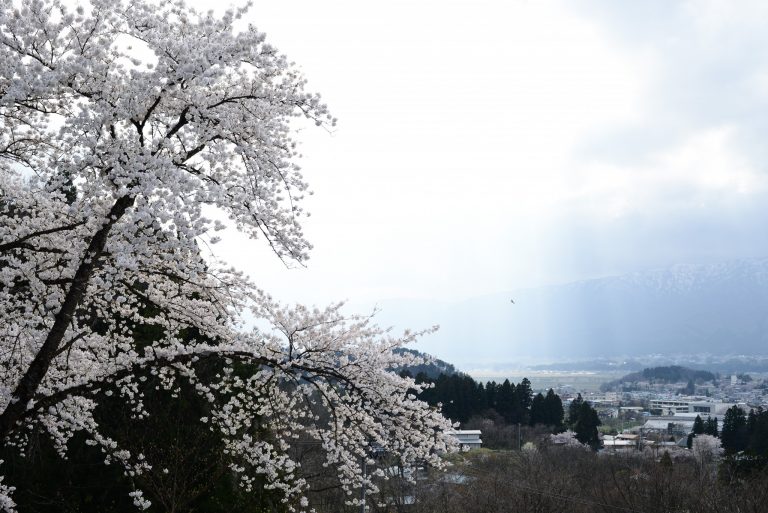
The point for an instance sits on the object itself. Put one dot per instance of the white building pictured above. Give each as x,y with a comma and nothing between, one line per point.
668,406
705,408
678,425
619,442
469,438
678,406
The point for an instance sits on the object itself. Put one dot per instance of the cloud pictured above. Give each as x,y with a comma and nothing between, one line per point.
705,170
490,146
709,62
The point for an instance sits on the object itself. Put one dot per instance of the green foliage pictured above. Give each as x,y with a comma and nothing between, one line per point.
574,409
698,426
710,427
757,427
547,410
537,410
463,398
584,421
745,439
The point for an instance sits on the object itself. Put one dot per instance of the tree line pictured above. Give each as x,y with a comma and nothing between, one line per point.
743,436
745,433
462,398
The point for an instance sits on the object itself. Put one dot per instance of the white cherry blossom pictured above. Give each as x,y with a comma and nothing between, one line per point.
132,119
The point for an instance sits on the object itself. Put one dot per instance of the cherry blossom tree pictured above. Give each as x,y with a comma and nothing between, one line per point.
707,449
567,439
127,129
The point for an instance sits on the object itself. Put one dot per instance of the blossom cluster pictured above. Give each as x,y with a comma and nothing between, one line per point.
121,124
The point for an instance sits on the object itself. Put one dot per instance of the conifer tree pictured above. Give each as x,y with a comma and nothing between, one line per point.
506,402
538,410
734,434
574,409
698,426
710,427
586,425
524,394
758,434
553,406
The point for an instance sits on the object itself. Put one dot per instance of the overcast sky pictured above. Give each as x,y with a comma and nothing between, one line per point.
486,146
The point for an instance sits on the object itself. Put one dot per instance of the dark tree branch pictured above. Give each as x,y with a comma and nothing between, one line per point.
19,243
30,382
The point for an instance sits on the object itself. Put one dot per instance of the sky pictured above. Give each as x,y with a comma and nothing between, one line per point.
489,146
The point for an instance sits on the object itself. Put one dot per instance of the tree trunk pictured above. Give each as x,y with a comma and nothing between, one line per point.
37,370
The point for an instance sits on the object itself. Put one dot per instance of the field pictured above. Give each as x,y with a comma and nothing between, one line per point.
582,381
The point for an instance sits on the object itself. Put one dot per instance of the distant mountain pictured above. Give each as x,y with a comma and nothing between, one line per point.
683,309
723,364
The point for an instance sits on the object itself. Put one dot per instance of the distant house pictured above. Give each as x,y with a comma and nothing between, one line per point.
469,438
676,425
620,442
608,413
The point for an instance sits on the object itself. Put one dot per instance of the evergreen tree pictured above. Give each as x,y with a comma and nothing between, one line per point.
574,409
524,394
491,395
751,421
734,434
586,425
553,406
710,426
481,399
698,426
758,433
538,410
507,404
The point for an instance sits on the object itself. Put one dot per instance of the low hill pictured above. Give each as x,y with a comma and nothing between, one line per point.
666,375
432,370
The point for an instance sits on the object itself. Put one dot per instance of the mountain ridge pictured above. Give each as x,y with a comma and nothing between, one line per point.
719,308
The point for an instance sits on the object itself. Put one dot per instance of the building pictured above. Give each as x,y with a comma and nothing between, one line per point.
468,438
664,407
707,408
676,426
621,442
668,406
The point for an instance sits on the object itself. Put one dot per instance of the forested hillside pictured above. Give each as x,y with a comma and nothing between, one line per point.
666,374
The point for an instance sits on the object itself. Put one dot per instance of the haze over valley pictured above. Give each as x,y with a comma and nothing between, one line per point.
685,312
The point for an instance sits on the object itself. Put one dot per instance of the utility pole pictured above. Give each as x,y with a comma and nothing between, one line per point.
519,437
